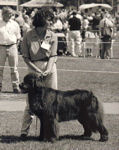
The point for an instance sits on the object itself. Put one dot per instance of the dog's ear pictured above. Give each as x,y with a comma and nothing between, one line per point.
30,80
34,80
37,80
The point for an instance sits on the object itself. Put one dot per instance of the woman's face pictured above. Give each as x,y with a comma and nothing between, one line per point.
48,22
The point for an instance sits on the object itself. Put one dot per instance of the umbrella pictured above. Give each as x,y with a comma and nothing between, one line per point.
45,3
93,5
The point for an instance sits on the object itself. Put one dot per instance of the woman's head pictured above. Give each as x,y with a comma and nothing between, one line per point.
42,17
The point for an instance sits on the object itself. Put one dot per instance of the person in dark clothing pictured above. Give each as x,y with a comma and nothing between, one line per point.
95,23
75,35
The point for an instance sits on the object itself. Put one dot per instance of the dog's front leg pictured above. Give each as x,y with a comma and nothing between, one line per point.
54,130
41,137
50,128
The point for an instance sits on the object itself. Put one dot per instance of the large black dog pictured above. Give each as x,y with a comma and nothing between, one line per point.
53,106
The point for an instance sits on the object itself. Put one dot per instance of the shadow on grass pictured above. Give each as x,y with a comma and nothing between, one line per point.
10,92
75,137
15,139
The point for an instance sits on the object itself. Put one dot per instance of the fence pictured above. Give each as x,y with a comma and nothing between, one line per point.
90,43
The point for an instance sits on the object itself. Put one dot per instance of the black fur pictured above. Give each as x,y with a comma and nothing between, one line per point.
53,106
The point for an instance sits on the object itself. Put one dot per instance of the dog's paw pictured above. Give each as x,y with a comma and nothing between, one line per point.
41,138
103,138
23,137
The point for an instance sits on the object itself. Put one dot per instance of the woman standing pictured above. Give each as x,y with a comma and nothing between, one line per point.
39,50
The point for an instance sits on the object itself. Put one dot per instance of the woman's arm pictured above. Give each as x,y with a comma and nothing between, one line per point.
32,66
50,64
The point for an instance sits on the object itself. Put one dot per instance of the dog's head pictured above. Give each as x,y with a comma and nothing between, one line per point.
29,82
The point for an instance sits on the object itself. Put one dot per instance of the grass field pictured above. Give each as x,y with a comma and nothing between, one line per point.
100,76
10,124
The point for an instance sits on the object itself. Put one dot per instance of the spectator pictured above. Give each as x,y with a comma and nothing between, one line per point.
57,26
90,18
20,20
25,28
27,24
106,26
89,35
9,37
85,25
95,23
75,35
39,52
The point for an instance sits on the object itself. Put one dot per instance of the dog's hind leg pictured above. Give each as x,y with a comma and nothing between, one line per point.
103,133
87,132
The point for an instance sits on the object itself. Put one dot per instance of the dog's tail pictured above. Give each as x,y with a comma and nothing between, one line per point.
92,102
96,107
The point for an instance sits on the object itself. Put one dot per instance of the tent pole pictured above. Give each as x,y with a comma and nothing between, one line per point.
77,4
17,5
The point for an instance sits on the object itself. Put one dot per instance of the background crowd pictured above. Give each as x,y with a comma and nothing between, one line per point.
79,34
89,30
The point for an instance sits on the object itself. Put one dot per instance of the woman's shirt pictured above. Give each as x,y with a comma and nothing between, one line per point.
36,49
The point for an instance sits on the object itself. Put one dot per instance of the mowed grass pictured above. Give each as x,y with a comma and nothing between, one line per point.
99,76
10,125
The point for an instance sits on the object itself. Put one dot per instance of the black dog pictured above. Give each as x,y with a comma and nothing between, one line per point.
53,106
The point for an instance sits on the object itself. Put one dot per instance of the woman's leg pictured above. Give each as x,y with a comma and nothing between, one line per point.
27,119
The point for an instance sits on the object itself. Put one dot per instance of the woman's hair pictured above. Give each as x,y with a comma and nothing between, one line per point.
41,17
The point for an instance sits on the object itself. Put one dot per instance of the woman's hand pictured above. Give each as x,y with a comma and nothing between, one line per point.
46,73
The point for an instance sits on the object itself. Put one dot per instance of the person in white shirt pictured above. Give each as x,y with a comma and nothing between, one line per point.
57,26
9,37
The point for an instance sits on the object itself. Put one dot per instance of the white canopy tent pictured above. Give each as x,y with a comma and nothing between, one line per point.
94,5
8,2
41,3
